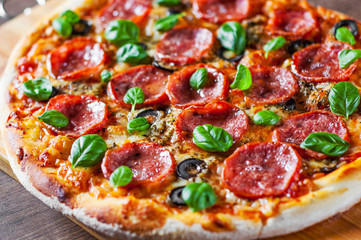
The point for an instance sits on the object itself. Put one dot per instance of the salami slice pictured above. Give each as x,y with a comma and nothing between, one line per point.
182,95
133,10
151,164
150,79
297,128
218,11
86,113
292,23
261,169
271,85
219,114
78,59
319,63
184,45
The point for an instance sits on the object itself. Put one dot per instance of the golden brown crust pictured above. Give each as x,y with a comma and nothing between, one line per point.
129,217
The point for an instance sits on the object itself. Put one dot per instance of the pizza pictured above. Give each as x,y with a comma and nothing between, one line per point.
177,119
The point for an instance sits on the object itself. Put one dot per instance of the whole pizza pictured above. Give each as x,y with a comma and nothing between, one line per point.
188,119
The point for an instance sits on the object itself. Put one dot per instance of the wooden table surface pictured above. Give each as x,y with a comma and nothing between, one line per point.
22,216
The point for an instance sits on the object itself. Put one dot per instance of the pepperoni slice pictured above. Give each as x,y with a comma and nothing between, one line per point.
297,128
261,169
78,59
150,79
86,113
184,45
182,95
292,23
151,163
219,114
271,85
133,10
219,11
319,63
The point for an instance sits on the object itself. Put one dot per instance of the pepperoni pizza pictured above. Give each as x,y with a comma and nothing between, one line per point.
187,119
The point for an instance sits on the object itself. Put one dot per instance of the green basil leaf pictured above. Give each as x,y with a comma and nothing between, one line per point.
232,37
199,79
120,32
54,118
131,53
87,151
167,23
199,196
105,76
62,26
344,99
168,3
344,35
266,118
122,176
70,16
138,124
134,96
326,143
38,89
274,45
243,79
212,139
348,56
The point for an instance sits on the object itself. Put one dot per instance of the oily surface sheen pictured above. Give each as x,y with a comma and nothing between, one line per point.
261,169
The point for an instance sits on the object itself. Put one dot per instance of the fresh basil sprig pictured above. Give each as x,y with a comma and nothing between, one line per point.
54,118
87,151
266,118
120,32
199,196
199,78
326,143
274,45
168,3
167,23
105,76
134,96
243,79
344,99
70,16
345,35
122,176
131,53
64,24
348,56
232,36
212,139
138,124
38,89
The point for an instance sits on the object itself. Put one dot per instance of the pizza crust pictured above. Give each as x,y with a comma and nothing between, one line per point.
336,192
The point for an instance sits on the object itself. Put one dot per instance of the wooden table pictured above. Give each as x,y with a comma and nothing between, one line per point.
22,216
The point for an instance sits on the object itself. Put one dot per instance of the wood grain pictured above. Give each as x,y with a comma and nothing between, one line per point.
25,217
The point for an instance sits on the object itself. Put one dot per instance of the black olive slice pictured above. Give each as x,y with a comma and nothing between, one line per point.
349,23
173,11
290,105
82,27
148,112
175,197
190,168
54,92
158,65
298,45
220,53
143,45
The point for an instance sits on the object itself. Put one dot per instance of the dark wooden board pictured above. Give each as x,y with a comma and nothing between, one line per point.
22,216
